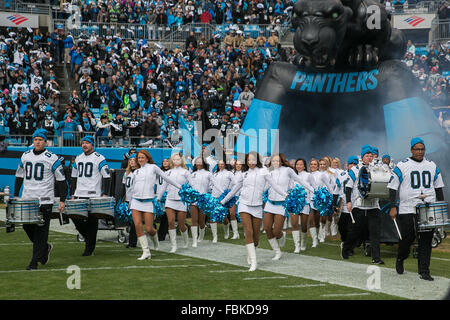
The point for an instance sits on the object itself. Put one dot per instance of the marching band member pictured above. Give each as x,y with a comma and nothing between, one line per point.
419,181
201,181
300,240
87,173
37,171
274,212
127,181
314,216
363,211
174,206
251,184
142,200
238,168
221,181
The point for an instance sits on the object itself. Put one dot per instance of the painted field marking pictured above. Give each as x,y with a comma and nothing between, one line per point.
113,268
225,271
345,294
304,285
264,278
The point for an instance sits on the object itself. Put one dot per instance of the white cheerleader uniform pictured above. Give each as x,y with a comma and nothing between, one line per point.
306,176
173,200
200,180
284,177
221,181
251,184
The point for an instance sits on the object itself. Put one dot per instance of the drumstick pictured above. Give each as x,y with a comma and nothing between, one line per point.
351,216
398,231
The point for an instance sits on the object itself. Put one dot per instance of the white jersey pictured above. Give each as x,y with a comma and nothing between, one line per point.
221,181
201,180
236,176
127,180
413,179
145,179
178,176
341,183
357,201
39,173
89,170
286,178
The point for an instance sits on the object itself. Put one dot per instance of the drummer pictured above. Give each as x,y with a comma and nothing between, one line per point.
419,181
87,182
366,212
37,171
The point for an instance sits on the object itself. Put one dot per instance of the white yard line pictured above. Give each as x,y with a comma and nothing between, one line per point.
265,278
345,294
304,285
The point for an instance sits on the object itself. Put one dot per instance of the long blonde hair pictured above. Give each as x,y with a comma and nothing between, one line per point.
338,161
129,168
183,160
325,159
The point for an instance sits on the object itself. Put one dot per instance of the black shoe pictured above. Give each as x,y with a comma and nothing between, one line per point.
399,266
46,258
87,254
350,253
344,253
377,261
32,266
426,276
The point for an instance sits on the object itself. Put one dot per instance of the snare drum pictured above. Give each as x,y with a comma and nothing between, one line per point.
102,207
77,208
432,215
373,182
23,211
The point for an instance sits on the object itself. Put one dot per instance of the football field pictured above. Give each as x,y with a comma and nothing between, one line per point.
210,271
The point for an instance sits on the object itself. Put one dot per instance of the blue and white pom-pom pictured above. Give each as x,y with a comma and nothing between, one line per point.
230,203
158,207
323,201
296,200
265,196
188,194
212,207
123,212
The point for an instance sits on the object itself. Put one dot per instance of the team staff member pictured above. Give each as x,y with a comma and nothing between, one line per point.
37,171
363,211
87,173
419,181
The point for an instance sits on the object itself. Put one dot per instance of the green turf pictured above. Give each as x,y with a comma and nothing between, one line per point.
160,279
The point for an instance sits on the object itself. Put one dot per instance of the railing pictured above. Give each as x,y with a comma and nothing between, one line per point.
34,8
73,139
440,31
419,7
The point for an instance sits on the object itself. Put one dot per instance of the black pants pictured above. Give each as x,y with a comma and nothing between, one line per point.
163,227
407,225
132,237
365,219
88,229
344,225
38,235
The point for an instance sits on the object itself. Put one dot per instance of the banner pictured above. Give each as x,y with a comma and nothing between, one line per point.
19,20
413,21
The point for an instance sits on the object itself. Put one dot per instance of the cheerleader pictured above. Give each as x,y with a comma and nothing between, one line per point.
251,184
338,173
327,180
127,182
142,200
301,169
274,212
174,206
314,216
221,181
238,168
200,181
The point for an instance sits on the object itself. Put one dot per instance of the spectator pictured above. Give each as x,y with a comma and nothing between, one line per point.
103,130
118,130
150,131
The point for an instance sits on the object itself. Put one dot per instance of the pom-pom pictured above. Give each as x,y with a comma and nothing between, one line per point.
212,207
158,208
188,194
265,196
296,200
323,201
230,202
123,212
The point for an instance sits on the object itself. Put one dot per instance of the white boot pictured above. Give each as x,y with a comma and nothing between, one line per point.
285,224
185,236
145,250
194,232
251,250
313,232
173,240
334,228
214,231
327,228
296,237
282,240
226,231
322,232
201,234
289,224
234,227
155,241
274,244
303,238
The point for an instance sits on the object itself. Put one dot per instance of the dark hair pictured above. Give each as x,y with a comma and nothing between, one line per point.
162,166
283,160
205,165
304,164
258,160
